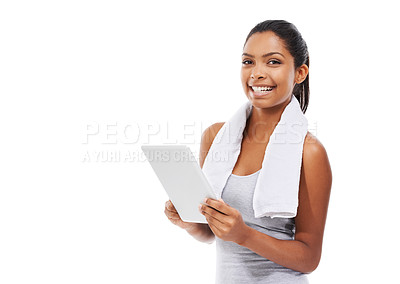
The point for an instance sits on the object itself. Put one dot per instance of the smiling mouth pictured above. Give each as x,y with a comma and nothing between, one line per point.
261,91
264,89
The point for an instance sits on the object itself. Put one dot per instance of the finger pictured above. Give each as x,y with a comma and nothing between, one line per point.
214,228
212,213
174,221
175,217
169,203
170,206
171,214
171,210
218,205
215,220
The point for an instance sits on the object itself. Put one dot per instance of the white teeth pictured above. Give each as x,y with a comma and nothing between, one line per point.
262,89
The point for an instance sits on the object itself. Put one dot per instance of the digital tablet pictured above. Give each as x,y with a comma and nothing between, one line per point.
182,178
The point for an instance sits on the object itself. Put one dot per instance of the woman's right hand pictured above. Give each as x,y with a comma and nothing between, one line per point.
174,217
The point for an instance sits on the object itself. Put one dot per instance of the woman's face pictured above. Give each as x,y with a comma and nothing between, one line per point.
268,74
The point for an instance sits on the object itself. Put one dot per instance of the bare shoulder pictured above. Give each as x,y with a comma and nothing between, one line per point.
313,150
314,195
315,163
206,140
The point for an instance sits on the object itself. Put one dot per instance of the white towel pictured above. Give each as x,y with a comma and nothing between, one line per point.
277,187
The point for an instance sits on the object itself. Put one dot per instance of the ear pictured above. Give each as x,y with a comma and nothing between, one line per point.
301,74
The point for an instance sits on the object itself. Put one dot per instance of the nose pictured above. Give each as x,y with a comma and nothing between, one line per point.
257,73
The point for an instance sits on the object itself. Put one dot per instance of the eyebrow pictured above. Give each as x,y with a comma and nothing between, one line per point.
264,55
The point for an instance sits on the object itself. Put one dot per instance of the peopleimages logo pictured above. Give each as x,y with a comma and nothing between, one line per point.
178,156
119,142
142,133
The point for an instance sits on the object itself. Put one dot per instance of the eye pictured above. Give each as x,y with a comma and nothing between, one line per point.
275,62
246,62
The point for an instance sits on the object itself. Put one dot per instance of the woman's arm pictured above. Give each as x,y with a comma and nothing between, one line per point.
304,253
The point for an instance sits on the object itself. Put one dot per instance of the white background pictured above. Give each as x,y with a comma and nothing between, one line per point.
124,68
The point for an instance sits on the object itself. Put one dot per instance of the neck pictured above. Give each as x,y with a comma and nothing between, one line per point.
262,122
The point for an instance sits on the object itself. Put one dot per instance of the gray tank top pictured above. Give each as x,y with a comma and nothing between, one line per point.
237,264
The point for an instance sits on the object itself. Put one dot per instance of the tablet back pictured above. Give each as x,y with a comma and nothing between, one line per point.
181,177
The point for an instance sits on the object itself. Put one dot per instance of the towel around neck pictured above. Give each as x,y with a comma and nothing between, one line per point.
277,187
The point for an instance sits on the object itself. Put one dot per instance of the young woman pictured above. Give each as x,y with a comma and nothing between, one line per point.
278,250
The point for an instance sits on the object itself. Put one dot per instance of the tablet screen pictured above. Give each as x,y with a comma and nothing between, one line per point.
182,178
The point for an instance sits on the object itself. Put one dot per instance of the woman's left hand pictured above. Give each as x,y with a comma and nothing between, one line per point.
225,221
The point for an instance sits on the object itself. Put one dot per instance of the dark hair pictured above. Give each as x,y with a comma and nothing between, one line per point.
297,47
